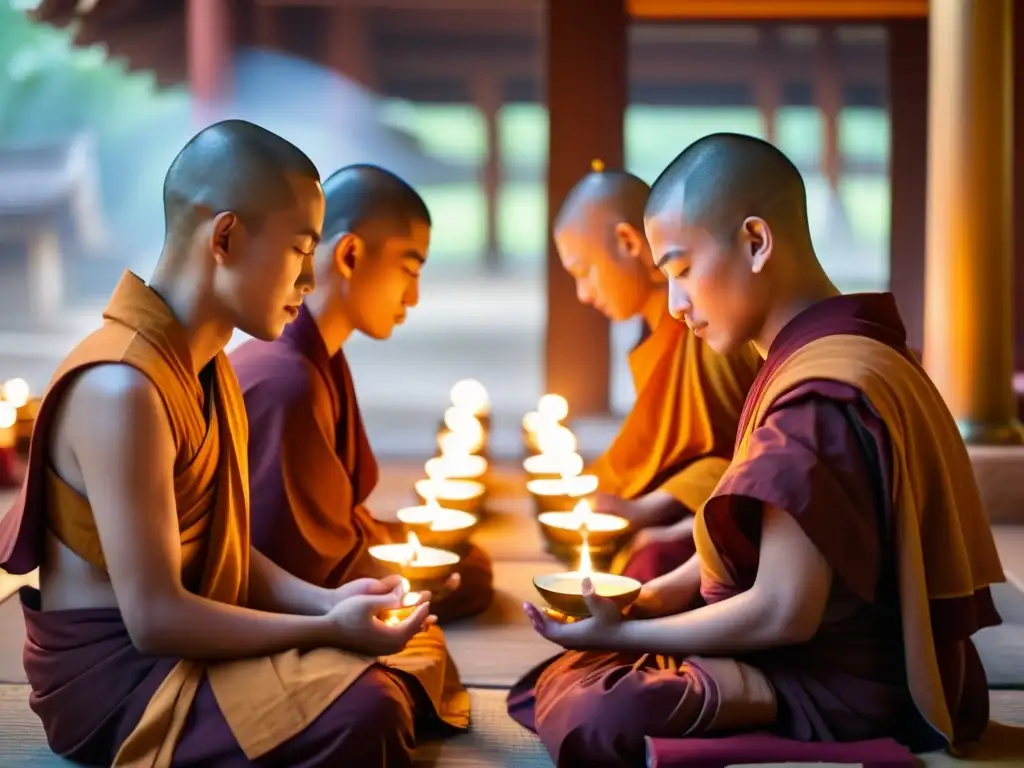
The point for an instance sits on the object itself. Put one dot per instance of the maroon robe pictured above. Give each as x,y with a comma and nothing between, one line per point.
311,468
821,455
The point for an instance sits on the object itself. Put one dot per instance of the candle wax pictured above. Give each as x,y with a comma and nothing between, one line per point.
440,518
402,555
449,489
594,521
580,485
456,465
605,584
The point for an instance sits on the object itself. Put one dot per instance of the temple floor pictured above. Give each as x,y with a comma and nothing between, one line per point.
493,649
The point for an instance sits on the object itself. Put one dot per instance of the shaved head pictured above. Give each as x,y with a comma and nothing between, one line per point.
611,196
722,179
360,196
232,166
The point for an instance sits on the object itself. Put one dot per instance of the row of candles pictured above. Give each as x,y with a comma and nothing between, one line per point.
17,414
453,494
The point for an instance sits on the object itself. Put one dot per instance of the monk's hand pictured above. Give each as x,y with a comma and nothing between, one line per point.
360,623
366,587
593,633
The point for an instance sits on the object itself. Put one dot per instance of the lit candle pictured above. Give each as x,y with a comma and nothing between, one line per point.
16,392
456,461
426,567
471,396
564,591
551,410
8,418
581,525
462,429
463,495
410,600
560,494
437,526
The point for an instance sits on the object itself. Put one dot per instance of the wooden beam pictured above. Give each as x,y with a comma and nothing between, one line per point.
908,169
1018,187
749,10
587,91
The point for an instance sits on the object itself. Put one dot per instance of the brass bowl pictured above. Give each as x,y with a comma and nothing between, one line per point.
468,502
548,497
597,537
429,576
562,591
454,539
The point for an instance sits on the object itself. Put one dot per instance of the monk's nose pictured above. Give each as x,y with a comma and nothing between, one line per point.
678,302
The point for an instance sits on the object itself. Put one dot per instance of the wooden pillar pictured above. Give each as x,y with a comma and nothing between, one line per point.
908,169
348,44
488,97
210,52
969,266
768,86
267,21
1018,184
829,95
587,61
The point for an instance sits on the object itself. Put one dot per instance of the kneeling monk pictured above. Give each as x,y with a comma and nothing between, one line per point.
845,557
312,465
677,440
159,636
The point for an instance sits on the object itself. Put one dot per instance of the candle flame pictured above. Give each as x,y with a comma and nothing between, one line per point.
414,547
456,444
16,392
553,407
586,568
571,467
555,439
582,515
470,395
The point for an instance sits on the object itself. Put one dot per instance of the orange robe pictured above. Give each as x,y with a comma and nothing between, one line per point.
309,707
831,433
312,468
679,435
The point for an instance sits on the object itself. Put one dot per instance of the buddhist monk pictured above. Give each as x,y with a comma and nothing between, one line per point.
159,637
845,557
677,440
312,464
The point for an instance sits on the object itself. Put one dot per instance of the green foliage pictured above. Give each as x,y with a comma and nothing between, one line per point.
51,90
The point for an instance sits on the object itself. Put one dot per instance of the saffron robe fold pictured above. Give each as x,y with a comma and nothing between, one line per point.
825,436
312,468
678,437
268,703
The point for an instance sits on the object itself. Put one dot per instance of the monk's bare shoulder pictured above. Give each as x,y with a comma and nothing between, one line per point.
103,406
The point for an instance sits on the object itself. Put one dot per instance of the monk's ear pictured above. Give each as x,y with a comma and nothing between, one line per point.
756,240
348,252
224,232
630,241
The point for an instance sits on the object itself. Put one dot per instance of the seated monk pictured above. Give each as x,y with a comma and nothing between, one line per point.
677,440
312,464
845,557
159,636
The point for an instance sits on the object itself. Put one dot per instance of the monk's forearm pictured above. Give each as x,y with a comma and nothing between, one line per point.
272,588
744,623
684,579
192,627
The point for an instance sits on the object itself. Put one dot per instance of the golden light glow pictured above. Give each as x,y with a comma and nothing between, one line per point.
16,392
8,415
585,568
556,439
553,407
471,396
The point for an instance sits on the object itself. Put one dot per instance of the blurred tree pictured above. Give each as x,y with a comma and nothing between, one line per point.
52,90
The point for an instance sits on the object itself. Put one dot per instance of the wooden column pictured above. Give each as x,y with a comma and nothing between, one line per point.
768,85
488,97
908,169
1018,184
210,52
969,267
348,47
587,61
828,93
